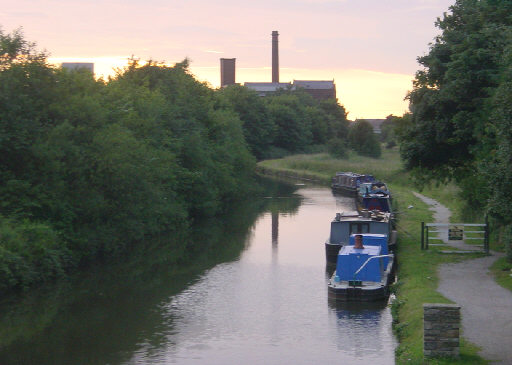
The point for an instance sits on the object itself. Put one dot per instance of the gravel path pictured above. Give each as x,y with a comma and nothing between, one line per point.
486,306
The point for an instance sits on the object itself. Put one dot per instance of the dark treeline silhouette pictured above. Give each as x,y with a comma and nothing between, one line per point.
93,168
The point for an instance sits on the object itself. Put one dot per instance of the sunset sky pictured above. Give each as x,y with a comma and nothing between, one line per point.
369,47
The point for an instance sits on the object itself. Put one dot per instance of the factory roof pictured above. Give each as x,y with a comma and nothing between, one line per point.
314,84
267,86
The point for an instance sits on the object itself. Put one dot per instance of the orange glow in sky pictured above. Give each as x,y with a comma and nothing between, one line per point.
365,94
369,48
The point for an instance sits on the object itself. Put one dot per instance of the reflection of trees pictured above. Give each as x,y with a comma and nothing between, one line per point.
117,300
79,318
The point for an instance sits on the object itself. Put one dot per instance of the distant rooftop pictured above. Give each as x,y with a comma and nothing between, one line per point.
264,88
78,65
314,84
319,89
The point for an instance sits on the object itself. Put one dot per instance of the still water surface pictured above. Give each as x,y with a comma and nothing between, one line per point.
266,305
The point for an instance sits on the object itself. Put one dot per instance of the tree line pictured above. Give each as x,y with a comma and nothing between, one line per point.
459,128
91,168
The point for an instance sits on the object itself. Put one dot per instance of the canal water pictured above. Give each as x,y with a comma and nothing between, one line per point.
255,292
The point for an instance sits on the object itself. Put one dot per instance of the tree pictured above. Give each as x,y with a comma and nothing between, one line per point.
90,169
363,140
293,128
259,130
14,49
337,118
449,99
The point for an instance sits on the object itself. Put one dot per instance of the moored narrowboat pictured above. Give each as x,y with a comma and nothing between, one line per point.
374,196
347,223
364,270
347,183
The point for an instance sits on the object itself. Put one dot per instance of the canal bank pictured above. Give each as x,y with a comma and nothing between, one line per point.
417,271
485,306
257,295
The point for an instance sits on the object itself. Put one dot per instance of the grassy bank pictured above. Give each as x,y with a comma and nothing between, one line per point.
417,271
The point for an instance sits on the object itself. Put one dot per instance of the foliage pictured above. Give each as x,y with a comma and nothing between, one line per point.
14,49
259,130
460,104
502,271
293,128
363,140
322,167
393,128
286,122
337,148
91,169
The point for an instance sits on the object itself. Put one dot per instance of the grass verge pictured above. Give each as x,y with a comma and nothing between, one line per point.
417,269
502,271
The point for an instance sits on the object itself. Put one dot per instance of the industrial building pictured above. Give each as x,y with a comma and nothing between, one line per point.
227,71
79,65
319,89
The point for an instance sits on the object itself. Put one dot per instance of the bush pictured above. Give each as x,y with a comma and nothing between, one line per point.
363,140
337,148
507,238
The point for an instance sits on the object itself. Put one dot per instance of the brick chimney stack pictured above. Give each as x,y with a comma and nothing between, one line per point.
275,57
227,71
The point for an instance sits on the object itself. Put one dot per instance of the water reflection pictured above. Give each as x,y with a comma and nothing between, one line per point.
253,291
363,329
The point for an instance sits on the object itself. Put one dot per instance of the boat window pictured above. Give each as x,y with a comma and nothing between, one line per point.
359,228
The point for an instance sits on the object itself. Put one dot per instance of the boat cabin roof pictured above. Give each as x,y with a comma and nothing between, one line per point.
368,250
368,216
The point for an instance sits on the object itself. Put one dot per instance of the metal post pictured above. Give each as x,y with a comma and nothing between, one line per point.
422,235
426,240
486,235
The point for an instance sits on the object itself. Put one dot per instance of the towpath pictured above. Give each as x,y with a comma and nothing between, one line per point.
486,307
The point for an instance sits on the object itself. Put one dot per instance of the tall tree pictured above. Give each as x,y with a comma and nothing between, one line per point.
450,99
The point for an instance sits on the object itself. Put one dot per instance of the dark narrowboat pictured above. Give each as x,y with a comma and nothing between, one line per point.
347,183
374,196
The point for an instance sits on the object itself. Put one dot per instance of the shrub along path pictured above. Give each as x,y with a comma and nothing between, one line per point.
486,306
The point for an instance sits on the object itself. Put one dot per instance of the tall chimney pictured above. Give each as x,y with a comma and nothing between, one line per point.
227,71
275,57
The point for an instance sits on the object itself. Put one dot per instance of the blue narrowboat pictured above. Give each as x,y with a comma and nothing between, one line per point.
348,183
374,196
346,224
363,272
